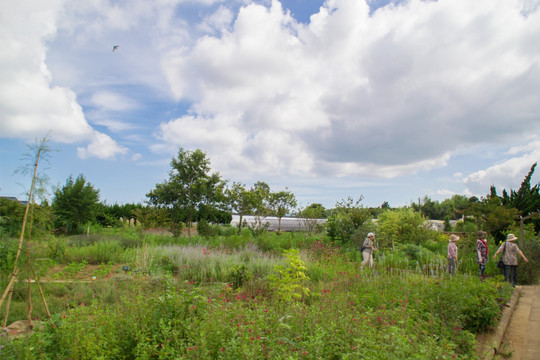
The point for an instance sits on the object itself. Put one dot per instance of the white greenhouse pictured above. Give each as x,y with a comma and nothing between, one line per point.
287,223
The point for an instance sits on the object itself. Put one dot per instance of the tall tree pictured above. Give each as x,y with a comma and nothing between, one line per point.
190,186
526,199
261,203
311,216
281,204
75,204
491,216
241,201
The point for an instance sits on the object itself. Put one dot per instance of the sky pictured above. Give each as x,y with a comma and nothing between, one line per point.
387,100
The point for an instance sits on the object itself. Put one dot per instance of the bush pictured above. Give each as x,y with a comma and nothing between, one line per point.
528,272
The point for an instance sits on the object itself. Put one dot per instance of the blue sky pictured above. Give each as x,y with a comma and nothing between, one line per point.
389,100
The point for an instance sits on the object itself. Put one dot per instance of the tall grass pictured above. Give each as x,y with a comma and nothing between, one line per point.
348,315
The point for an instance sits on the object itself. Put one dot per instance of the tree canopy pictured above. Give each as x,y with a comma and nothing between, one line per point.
75,203
190,187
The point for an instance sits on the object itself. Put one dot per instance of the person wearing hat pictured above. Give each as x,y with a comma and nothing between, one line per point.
369,247
509,258
481,252
452,254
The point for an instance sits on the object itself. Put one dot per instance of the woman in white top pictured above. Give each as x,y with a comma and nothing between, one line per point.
369,247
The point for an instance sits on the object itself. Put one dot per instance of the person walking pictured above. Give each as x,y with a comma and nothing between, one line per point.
452,254
367,253
509,257
482,252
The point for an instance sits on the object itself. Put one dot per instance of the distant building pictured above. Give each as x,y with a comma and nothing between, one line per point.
287,223
438,225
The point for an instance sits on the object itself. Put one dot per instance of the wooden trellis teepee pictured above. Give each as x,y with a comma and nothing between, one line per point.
30,269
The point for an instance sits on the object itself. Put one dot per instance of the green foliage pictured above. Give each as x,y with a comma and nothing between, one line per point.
238,275
72,269
56,248
309,217
152,217
96,253
189,187
11,217
281,204
400,226
103,270
8,251
349,217
492,217
528,272
452,208
75,204
466,227
290,282
205,229
526,199
347,317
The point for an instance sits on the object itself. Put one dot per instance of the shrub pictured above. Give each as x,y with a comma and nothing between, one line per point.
290,282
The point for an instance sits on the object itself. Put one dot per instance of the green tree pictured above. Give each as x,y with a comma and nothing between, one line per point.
260,195
526,199
349,218
310,217
152,217
401,226
75,204
492,216
240,201
190,186
455,207
11,216
281,204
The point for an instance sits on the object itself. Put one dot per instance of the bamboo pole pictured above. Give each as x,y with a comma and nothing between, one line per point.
41,293
21,238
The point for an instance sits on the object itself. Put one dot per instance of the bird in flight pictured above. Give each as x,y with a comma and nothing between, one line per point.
115,47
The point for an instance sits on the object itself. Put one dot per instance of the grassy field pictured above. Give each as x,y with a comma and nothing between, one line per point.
288,296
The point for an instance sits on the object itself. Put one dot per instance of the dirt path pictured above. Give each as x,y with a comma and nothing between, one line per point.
522,337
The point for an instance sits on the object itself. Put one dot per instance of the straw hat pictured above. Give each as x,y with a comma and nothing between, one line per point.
511,237
454,238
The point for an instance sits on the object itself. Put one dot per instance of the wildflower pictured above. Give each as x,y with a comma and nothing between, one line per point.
221,349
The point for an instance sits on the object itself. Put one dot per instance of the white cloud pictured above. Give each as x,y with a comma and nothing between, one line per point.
387,94
219,21
109,100
102,147
30,106
507,174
